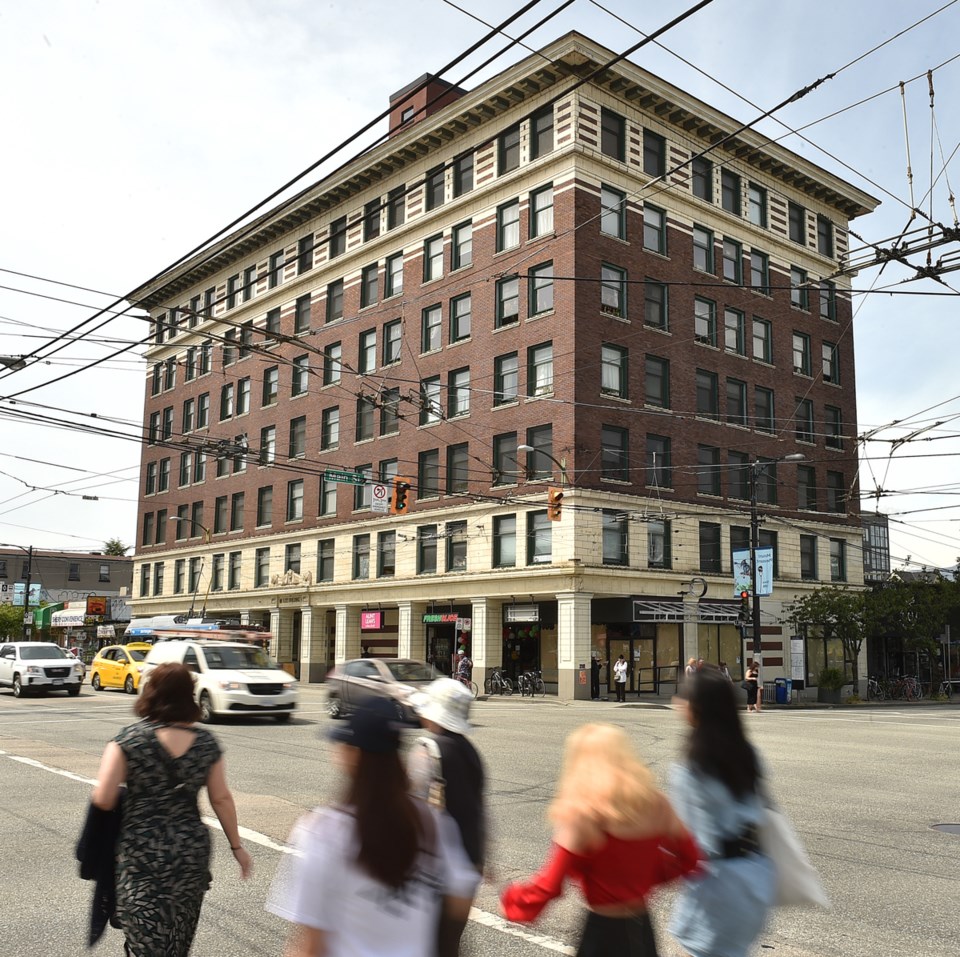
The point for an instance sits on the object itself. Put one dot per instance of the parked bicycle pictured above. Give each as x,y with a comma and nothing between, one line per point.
875,690
946,689
467,683
531,683
497,683
905,688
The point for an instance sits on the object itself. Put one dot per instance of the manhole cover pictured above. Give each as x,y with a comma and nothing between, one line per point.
946,828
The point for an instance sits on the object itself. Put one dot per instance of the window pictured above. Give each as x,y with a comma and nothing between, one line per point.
760,272
806,488
508,302
707,401
654,229
613,139
804,420
613,370
261,565
655,311
243,395
268,445
463,174
654,154
295,500
504,541
190,364
167,420
433,258
506,378
831,363
613,212
708,470
157,578
206,357
264,505
705,321
305,254
226,401
757,205
393,276
386,554
460,316
801,353
736,402
199,467
367,352
838,560
797,223
456,534
657,382
541,132
272,323
658,544
828,300
193,576
833,427
508,150
702,249
738,476
710,554
337,245
390,411
458,393
366,410
275,273
396,207
147,537
291,558
163,477
328,497
539,538
235,560
361,556
762,340
461,253
541,212
658,462
427,550
301,373
150,486
229,347
369,285
428,474
824,236
371,220
732,261
836,493
730,192
799,293
733,332
433,187
614,538
431,328
505,465
236,511
392,341
808,557
508,225
613,291
540,289
407,115
331,363
298,437
766,482
614,455
220,514
431,409
458,479
271,385
363,493
702,178
335,300
170,373
325,557
764,418
186,468
179,574
539,463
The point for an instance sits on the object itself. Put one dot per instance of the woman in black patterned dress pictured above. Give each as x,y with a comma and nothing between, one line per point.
163,852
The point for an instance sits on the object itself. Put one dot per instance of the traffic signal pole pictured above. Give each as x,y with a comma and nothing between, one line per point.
754,590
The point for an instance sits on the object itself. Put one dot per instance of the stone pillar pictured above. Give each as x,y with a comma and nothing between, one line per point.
313,644
486,640
412,633
348,633
573,645
690,631
275,633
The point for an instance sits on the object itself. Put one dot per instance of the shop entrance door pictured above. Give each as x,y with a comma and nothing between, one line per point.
641,656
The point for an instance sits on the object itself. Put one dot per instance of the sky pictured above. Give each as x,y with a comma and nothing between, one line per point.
136,129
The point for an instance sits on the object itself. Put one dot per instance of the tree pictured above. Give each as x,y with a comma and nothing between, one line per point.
11,621
113,546
840,613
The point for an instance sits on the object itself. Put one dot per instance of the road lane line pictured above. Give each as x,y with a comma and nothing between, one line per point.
493,921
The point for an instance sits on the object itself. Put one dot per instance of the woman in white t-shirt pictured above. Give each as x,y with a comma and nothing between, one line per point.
369,877
620,677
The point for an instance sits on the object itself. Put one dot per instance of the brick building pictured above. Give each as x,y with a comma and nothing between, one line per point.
525,286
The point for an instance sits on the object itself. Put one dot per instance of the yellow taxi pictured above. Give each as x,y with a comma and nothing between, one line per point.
119,666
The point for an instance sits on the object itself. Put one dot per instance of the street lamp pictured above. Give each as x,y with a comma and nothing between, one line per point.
13,363
206,541
756,470
561,464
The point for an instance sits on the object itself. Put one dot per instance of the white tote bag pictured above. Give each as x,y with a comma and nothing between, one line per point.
798,883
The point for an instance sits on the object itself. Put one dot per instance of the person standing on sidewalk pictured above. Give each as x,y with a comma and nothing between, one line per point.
620,677
752,682
595,665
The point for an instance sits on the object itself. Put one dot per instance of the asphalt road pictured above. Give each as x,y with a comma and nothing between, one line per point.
862,786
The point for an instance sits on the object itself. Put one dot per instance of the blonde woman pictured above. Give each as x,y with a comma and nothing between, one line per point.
616,835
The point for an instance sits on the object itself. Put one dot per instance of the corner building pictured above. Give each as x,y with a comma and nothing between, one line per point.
524,287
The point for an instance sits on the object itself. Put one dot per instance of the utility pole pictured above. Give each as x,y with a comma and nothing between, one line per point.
26,594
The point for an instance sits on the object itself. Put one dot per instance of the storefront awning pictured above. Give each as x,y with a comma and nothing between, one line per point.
712,612
68,618
41,616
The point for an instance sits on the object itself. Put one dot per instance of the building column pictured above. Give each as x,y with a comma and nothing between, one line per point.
348,633
313,644
573,645
690,632
411,632
275,633
486,640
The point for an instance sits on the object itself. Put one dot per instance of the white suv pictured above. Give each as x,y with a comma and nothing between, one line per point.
28,666
229,677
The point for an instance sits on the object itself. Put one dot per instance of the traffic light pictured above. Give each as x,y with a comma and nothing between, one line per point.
554,501
398,501
744,616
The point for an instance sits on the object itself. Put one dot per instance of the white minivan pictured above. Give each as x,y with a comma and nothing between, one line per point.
229,678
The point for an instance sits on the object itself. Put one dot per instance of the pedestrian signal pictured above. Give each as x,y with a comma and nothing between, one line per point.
398,501
554,502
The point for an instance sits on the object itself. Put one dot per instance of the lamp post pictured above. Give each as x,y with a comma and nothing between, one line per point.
560,464
206,541
13,363
756,470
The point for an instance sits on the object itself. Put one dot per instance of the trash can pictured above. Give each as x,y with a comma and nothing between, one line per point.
781,690
769,692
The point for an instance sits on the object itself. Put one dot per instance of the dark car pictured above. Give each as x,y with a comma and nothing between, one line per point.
354,682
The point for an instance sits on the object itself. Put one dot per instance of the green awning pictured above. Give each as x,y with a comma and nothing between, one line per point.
41,617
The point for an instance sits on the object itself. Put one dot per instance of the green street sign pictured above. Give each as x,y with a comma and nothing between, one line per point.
349,478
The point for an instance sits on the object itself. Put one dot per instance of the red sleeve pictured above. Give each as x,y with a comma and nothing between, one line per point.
524,901
679,856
